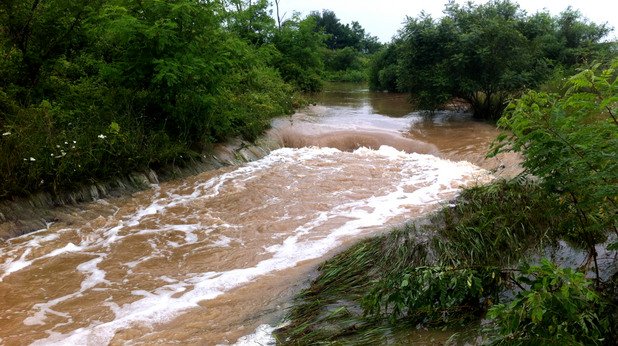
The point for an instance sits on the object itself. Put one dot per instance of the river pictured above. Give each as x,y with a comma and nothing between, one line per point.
216,258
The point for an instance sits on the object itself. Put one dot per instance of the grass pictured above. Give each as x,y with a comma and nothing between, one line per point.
490,226
329,310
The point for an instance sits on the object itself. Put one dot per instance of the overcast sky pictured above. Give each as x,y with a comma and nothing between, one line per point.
383,18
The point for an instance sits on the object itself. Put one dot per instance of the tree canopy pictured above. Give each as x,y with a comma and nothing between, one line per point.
484,54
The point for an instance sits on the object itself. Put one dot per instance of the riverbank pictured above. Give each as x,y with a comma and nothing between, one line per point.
22,215
432,281
527,261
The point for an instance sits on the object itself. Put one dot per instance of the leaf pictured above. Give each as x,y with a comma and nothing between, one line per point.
537,314
114,127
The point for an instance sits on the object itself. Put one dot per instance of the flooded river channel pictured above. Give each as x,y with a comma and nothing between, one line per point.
216,258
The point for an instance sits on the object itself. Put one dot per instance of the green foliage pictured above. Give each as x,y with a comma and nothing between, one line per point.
383,70
486,54
446,271
86,85
433,296
347,48
340,36
346,76
300,62
251,21
558,308
424,71
571,143
342,59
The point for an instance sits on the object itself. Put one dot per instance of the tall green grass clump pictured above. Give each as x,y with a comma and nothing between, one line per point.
437,273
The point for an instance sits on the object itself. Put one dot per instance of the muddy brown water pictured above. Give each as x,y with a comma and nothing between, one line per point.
216,258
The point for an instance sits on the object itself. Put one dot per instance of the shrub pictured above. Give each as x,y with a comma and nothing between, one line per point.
570,142
559,308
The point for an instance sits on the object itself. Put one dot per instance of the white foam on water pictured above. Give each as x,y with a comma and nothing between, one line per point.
164,303
12,265
70,247
93,276
263,336
18,249
222,241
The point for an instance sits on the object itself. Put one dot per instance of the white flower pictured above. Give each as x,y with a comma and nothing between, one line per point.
102,136
65,143
32,159
6,134
74,142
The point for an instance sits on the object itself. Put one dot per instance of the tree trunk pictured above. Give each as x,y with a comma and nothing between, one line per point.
278,16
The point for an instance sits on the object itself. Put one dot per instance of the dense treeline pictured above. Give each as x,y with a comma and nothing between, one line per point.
348,48
95,89
485,54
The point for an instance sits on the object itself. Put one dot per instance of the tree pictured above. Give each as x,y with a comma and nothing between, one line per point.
280,17
251,21
36,32
300,44
488,53
383,70
339,35
579,38
424,70
570,142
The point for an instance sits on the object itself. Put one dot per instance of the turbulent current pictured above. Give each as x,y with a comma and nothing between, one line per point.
215,258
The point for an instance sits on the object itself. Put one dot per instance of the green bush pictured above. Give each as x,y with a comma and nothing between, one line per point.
560,307
433,296
570,142
347,76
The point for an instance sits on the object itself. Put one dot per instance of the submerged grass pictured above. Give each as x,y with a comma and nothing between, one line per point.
490,226
329,310
494,225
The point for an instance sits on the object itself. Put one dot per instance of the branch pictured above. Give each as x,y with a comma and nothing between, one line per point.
25,28
516,283
609,110
66,34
